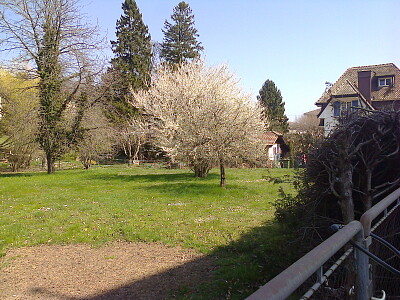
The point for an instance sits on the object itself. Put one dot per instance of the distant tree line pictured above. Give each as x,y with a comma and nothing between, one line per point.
97,110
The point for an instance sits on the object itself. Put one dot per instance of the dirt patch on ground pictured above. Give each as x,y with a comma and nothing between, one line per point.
115,271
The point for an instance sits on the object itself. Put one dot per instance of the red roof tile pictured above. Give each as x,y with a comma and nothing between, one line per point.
270,137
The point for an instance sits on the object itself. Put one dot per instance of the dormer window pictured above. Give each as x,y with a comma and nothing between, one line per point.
387,81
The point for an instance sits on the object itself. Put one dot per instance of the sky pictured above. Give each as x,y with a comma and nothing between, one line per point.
298,44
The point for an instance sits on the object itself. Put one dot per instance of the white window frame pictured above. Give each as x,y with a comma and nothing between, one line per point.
345,106
388,81
342,107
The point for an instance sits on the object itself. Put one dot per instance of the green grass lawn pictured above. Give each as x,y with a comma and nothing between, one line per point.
153,205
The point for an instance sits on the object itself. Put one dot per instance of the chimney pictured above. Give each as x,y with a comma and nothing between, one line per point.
364,84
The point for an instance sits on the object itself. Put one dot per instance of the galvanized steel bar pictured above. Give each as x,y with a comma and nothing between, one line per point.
363,281
328,273
362,260
376,210
283,285
385,217
319,273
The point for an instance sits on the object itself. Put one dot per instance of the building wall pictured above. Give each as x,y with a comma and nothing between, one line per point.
331,121
273,150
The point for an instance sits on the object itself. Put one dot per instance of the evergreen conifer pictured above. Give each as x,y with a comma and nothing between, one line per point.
131,66
180,37
270,99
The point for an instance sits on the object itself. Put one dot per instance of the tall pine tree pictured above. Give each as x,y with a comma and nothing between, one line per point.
180,37
270,99
130,71
131,67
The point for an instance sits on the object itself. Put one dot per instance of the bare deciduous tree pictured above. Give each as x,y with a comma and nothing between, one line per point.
132,137
202,117
306,122
50,37
357,164
98,139
304,134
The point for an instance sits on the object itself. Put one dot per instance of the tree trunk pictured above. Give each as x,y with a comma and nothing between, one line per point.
43,162
201,170
50,167
347,205
14,167
128,153
346,190
367,203
86,164
136,151
223,178
50,163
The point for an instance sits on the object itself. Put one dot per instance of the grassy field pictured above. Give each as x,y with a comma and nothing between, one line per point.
153,205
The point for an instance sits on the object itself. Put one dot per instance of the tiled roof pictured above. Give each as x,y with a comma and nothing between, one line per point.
343,87
314,112
270,137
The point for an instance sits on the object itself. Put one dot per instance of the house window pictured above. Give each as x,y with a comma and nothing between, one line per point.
341,107
336,109
385,82
345,106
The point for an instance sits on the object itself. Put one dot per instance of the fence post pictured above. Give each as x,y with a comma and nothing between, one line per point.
363,281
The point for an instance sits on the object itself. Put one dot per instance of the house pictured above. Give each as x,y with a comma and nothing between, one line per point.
372,87
275,146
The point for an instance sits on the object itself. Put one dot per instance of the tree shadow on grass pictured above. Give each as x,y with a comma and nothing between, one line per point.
181,177
229,272
194,189
6,175
174,184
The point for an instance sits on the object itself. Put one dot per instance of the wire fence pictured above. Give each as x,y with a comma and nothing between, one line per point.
383,279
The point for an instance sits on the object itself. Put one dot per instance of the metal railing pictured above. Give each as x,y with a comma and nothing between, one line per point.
391,202
357,232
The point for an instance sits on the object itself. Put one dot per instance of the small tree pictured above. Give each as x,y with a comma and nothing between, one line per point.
270,99
180,37
201,116
98,139
134,137
305,133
